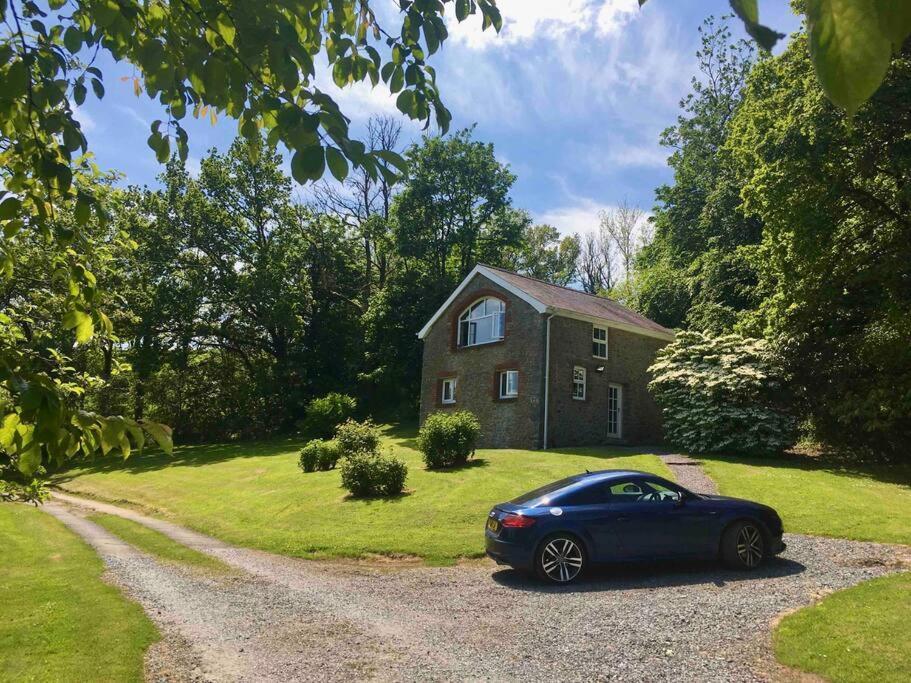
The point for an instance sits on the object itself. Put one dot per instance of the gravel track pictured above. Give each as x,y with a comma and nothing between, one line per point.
289,619
689,473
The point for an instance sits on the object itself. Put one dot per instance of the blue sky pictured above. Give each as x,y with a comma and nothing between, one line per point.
573,94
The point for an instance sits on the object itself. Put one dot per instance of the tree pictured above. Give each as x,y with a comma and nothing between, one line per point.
698,271
833,266
851,42
595,263
255,63
722,394
623,227
542,254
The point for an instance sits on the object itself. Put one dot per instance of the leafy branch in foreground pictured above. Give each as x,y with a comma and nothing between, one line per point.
851,42
254,62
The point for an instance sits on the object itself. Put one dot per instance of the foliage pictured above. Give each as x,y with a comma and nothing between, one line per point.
542,254
254,64
249,494
357,437
448,439
59,620
721,394
367,473
858,634
325,413
852,42
320,455
698,272
832,194
34,491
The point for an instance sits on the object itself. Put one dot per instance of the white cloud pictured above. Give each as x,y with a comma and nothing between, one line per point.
580,216
134,115
85,120
524,20
633,154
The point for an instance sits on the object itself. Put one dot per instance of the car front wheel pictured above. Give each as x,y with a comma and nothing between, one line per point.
560,559
743,546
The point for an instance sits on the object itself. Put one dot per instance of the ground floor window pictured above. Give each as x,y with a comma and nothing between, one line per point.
579,383
614,409
509,384
449,390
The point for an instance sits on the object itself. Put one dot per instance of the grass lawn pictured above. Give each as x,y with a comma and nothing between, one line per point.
813,497
859,634
255,495
58,620
159,545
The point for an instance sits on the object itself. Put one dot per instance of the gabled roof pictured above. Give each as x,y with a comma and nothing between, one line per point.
571,303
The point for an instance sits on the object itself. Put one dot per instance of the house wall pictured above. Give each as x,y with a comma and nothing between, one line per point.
513,423
573,422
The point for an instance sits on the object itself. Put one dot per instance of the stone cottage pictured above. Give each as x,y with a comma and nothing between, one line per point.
541,365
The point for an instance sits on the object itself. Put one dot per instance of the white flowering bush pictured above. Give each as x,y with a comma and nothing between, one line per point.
722,394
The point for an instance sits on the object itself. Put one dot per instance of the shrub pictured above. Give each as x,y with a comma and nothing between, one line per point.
448,439
722,394
319,454
357,437
371,474
323,415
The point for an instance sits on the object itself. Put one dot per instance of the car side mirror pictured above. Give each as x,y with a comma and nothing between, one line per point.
680,501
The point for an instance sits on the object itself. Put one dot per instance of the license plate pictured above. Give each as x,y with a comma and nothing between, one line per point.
493,525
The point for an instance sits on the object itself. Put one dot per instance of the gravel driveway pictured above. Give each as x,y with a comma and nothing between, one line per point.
286,619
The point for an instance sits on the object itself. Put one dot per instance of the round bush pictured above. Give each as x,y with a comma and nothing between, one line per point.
357,437
319,454
448,439
324,414
371,474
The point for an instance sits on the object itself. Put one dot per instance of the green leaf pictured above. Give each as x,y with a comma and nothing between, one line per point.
894,21
98,88
30,458
9,208
392,158
8,430
398,79
308,164
849,50
72,39
161,434
748,11
338,165
462,9
81,322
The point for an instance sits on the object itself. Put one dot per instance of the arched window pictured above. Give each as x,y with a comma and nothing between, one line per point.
482,322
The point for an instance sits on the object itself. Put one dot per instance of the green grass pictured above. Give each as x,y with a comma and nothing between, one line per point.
159,545
859,634
255,495
58,620
813,497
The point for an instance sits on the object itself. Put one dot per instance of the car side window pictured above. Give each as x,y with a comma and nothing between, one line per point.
589,495
659,493
625,491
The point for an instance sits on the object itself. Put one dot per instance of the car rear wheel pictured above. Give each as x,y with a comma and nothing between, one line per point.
743,546
561,559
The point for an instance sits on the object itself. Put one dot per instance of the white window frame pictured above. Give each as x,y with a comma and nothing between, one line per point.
450,382
595,340
497,323
577,383
504,381
618,433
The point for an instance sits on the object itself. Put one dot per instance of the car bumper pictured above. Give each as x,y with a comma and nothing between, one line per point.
778,546
501,551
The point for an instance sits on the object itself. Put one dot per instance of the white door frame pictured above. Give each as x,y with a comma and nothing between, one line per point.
619,388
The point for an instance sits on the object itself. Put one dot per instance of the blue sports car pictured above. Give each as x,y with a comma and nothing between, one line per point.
558,530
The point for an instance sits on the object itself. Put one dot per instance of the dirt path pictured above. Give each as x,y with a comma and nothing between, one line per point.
288,619
689,473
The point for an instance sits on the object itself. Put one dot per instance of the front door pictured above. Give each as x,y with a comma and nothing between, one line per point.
615,411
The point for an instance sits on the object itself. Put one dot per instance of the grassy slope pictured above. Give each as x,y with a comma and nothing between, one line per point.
859,634
158,545
58,620
867,505
255,495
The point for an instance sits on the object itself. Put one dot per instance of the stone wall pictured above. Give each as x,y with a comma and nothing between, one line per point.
512,423
574,422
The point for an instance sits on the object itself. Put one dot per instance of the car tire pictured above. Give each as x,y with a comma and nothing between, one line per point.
744,545
561,558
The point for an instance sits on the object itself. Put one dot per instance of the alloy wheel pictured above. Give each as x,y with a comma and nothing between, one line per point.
749,545
561,560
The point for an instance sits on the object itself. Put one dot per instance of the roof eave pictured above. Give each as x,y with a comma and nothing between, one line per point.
667,335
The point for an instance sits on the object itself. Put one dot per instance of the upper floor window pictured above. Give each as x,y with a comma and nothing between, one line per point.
599,342
579,383
482,322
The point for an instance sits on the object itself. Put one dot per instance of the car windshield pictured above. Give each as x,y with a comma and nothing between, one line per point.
545,493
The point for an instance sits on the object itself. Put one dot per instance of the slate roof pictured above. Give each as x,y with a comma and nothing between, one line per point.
575,301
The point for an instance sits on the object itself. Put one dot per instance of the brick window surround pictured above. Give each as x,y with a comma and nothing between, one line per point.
495,384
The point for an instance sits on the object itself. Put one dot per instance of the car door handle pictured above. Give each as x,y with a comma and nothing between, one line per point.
622,518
